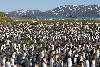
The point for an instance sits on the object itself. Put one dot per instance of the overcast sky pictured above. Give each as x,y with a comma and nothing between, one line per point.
43,5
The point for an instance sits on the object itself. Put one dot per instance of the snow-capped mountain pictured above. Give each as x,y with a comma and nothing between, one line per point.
76,10
66,10
24,13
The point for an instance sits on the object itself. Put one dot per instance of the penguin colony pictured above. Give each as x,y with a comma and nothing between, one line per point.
50,45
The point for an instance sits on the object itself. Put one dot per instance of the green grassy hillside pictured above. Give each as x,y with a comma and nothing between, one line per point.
4,18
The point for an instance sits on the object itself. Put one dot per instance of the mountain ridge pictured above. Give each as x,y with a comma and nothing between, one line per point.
66,10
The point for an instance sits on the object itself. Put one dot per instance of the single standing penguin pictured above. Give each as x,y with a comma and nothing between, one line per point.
75,58
14,55
86,64
12,61
81,64
44,63
51,62
97,53
8,64
93,63
69,62
14,45
3,62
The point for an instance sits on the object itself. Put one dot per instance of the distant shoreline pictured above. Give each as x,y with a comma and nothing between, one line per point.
98,17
